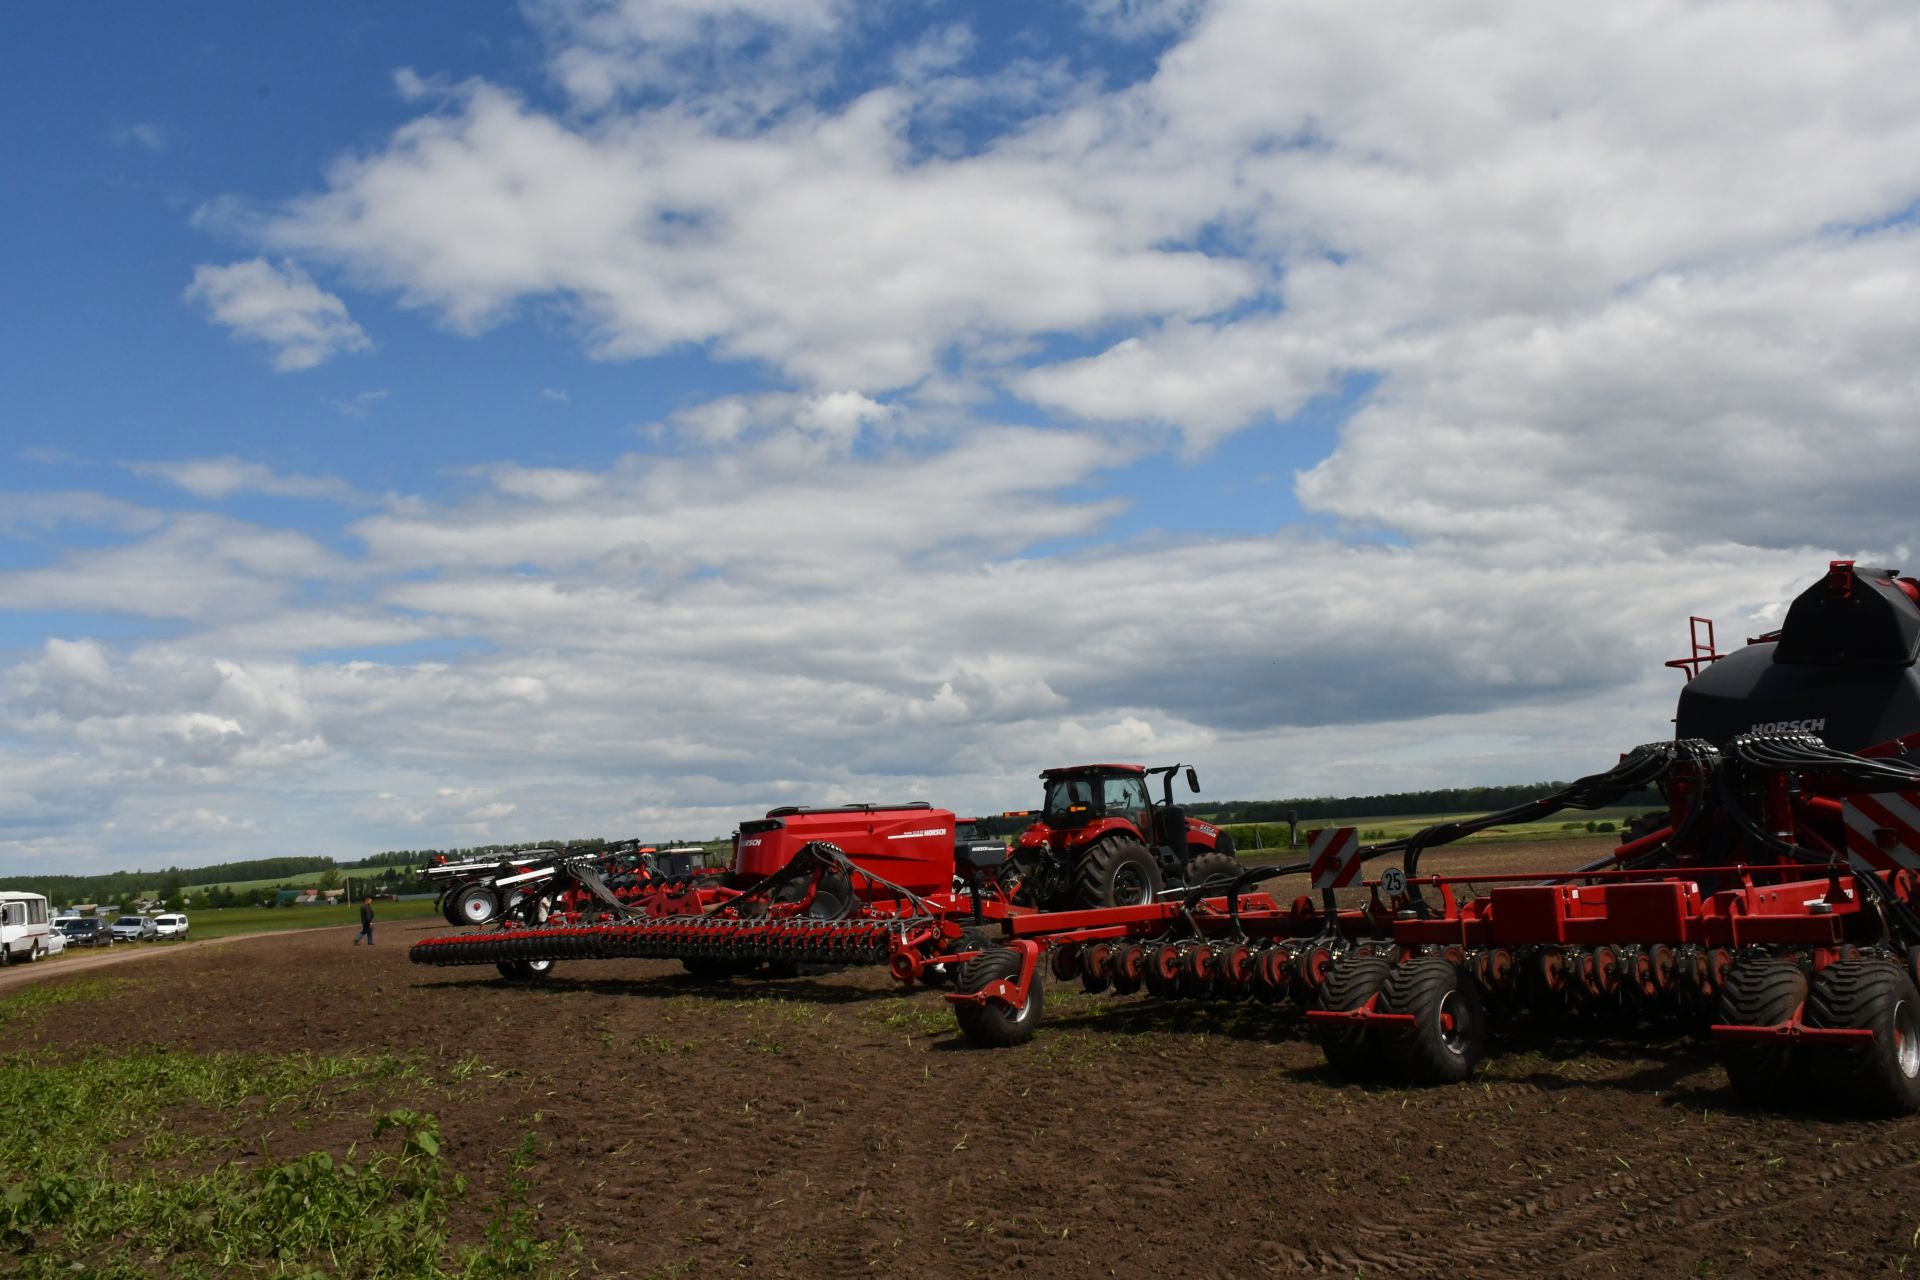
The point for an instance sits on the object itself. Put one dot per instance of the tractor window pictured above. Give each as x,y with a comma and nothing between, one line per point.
1063,792
1124,795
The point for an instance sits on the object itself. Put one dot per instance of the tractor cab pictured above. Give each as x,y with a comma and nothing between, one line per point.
1100,812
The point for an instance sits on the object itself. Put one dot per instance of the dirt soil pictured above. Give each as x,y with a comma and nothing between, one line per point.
834,1126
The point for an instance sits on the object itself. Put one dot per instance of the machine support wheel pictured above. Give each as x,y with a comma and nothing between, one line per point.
1880,1077
1449,1033
1762,992
1117,871
994,1024
938,975
1208,866
476,904
1350,984
525,970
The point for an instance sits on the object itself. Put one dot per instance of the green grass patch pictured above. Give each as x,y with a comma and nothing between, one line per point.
98,1175
224,921
31,1003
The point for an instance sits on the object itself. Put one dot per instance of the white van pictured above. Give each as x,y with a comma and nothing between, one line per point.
23,926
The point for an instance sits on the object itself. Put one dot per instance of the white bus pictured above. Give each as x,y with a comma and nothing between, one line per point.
23,926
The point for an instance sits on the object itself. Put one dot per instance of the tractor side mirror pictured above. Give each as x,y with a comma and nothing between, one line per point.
1193,779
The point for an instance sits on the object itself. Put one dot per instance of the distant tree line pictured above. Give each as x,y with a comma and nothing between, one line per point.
1401,804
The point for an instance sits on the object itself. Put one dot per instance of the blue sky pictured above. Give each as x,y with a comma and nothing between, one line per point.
430,424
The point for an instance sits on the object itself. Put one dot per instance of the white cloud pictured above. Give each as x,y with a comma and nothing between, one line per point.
361,403
217,478
280,307
140,135
1632,290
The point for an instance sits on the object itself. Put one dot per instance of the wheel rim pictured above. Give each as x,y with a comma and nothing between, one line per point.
1906,1039
1130,887
1451,1021
476,908
539,966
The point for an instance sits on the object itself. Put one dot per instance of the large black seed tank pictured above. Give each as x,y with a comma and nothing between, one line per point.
1842,668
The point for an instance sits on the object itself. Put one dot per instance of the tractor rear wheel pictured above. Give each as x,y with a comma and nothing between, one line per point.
1350,984
1880,1077
476,904
1213,866
1116,872
1449,1032
1762,992
994,1024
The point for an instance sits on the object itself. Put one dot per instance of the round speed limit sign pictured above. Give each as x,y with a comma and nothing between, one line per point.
1394,881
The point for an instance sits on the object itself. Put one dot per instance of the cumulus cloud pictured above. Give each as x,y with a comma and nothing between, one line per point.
194,567
218,478
1627,292
280,306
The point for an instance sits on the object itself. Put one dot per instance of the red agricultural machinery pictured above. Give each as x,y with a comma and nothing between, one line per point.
1773,906
906,885
1101,840
856,884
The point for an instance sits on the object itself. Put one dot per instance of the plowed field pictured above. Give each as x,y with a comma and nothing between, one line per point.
833,1126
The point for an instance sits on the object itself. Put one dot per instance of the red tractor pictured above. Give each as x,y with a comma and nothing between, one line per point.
1101,839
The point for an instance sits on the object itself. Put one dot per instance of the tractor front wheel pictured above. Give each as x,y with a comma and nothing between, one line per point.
1223,867
1116,872
1879,1077
995,1024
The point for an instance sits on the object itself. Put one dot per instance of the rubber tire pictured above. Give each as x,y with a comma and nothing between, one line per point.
1352,982
447,901
993,1025
1762,993
525,970
1867,1079
1425,987
936,975
1208,865
1224,845
1103,863
472,896
1123,985
714,968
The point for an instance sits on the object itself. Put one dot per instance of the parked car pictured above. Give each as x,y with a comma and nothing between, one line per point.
54,944
173,925
87,931
134,929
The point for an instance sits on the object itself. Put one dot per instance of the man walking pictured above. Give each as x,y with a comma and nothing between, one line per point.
366,923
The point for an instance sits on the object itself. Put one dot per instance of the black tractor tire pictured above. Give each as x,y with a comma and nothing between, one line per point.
993,1024
939,975
714,968
1117,871
1224,844
475,904
1350,1047
448,900
1212,866
1880,1077
525,970
1763,992
1449,1032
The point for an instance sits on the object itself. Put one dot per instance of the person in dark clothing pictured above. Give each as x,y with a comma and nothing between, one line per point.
366,923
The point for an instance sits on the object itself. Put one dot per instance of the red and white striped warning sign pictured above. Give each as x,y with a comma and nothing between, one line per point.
1884,829
1336,856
